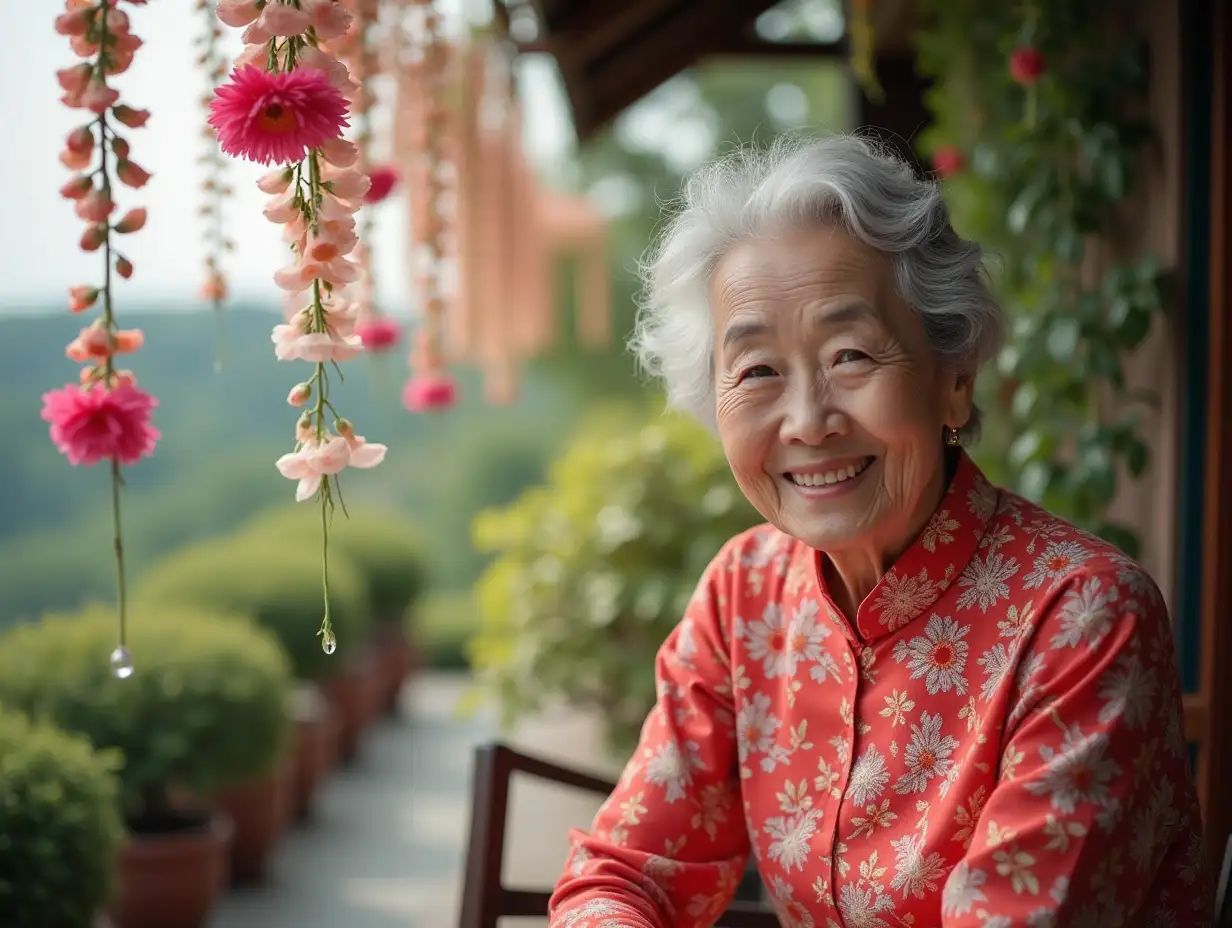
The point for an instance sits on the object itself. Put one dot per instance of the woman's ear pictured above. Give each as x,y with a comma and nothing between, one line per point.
959,399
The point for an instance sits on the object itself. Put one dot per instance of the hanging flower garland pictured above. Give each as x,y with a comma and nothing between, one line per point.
106,416
430,387
214,187
378,332
286,104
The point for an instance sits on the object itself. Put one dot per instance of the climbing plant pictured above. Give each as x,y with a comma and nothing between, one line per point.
1039,137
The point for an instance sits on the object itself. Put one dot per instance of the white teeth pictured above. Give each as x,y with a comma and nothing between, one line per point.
829,477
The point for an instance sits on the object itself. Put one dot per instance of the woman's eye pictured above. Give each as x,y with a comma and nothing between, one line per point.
849,355
758,370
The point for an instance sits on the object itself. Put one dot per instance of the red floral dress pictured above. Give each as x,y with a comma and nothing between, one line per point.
996,741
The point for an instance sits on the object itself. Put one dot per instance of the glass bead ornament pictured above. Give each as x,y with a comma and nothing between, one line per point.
121,663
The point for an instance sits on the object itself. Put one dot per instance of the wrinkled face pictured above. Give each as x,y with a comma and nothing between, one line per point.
831,404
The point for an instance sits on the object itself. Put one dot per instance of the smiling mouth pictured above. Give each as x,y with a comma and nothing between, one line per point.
830,477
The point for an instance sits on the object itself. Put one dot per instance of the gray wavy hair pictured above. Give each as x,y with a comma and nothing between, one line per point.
845,179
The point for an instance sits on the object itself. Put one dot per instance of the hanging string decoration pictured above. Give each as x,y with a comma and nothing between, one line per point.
424,70
214,186
287,104
105,416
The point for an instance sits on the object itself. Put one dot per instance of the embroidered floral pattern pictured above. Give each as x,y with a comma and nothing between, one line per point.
994,740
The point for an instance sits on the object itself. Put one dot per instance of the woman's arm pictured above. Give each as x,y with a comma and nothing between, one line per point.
668,847
1094,819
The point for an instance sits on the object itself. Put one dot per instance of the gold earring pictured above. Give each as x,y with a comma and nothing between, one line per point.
952,437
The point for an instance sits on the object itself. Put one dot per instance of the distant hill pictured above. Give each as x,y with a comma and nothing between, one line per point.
221,434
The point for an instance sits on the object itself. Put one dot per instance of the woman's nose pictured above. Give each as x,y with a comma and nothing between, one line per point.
809,417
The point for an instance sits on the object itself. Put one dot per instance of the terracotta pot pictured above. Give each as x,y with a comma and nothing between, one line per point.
400,660
373,668
259,810
172,877
348,692
316,725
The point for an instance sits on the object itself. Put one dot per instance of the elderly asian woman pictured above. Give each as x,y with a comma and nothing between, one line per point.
916,698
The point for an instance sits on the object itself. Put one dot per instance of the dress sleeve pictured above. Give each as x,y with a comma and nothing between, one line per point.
668,847
1094,818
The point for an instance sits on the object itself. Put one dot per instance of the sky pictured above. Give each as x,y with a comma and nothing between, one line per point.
39,257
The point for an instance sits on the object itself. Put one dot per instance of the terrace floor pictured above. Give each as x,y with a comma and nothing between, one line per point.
385,848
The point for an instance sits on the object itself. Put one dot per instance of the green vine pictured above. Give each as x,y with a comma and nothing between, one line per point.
1039,135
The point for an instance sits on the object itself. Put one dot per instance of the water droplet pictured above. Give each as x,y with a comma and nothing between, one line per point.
121,663
329,644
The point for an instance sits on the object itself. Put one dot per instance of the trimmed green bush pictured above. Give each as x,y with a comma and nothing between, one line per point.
60,827
594,570
206,706
277,584
441,623
384,546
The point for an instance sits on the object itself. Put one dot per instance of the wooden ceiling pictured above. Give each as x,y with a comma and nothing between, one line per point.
611,54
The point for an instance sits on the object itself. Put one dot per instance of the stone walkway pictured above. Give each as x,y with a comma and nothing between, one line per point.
385,849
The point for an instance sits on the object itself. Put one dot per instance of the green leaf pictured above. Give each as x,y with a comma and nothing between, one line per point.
1063,338
1137,456
1119,535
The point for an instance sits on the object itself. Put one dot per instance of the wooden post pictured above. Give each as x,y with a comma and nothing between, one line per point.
1215,753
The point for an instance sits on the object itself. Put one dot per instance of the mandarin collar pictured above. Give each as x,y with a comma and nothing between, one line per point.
932,562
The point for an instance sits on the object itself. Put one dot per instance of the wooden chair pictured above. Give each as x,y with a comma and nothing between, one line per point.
485,899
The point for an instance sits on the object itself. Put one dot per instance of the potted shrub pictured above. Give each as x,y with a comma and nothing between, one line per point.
277,584
316,745
204,709
60,822
594,569
387,551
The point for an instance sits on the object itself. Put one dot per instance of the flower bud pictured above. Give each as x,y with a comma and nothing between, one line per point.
132,174
124,267
133,221
130,117
300,394
92,238
81,298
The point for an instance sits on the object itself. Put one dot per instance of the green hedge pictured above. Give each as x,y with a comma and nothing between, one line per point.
386,549
594,569
205,707
274,582
60,826
442,623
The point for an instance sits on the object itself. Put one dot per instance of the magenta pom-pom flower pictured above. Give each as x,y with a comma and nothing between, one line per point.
95,424
379,334
429,391
275,118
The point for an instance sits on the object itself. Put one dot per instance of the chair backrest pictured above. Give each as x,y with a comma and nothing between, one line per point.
485,898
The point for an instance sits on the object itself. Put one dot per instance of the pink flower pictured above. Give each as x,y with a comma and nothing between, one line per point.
96,424
340,153
275,118
293,341
282,19
379,334
95,206
329,18
275,182
298,277
346,184
315,460
98,97
237,13
383,179
312,462
334,69
426,392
